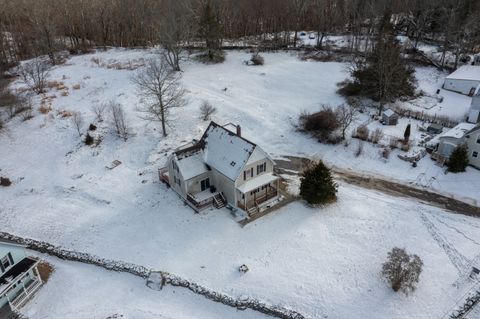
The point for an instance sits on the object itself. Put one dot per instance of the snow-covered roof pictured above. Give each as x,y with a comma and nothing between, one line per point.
225,151
466,72
257,182
10,242
458,131
388,112
192,165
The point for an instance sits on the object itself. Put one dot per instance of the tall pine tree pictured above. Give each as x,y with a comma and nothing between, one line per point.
383,75
210,30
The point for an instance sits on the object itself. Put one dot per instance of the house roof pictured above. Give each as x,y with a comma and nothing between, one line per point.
257,182
10,242
388,112
458,131
226,151
466,72
192,165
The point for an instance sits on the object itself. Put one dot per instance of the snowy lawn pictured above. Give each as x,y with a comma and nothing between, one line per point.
321,262
86,292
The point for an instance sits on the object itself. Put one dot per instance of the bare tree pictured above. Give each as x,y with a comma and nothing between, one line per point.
174,29
346,114
160,89
118,118
99,110
77,121
207,110
402,270
34,74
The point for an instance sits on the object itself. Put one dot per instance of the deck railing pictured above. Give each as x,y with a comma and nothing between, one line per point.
26,293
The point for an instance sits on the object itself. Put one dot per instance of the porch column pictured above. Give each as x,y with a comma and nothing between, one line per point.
37,274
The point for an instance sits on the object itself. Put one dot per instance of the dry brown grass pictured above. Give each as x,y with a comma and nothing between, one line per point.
44,109
65,93
76,86
45,270
64,113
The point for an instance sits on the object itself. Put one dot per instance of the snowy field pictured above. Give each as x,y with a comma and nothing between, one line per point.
321,262
86,292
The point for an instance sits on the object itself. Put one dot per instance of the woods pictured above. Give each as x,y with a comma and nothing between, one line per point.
31,28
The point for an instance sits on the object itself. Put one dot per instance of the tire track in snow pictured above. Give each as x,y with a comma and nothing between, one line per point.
456,230
458,260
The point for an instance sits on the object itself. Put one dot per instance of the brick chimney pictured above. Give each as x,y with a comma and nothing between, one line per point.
239,131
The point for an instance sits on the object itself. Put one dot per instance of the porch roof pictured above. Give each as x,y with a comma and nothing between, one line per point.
18,269
256,182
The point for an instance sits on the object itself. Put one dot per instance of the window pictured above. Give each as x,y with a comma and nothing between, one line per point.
6,262
475,154
478,139
261,168
251,172
244,175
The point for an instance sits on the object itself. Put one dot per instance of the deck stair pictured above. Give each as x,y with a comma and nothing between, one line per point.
219,201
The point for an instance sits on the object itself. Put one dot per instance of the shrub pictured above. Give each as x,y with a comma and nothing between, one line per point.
4,181
317,186
385,152
402,270
207,110
324,123
99,110
362,132
458,161
76,87
89,139
376,136
92,127
44,109
77,121
257,59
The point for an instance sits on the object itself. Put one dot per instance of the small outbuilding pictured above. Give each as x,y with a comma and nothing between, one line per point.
464,80
389,117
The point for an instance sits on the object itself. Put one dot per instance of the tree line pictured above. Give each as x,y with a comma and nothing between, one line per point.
37,27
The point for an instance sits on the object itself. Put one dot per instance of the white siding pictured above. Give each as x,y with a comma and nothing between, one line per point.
473,146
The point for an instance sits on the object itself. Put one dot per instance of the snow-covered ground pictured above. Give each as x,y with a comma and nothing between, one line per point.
87,292
321,262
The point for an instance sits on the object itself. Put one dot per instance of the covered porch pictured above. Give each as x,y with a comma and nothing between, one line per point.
20,282
257,192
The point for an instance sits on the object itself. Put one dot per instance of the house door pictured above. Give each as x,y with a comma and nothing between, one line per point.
204,184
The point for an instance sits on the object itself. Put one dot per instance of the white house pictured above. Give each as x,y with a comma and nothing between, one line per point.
222,168
473,143
464,80
474,111
19,277
444,144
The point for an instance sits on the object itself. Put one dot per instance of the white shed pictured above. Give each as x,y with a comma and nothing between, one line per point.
464,80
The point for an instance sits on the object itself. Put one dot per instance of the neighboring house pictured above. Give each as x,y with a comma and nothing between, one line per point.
444,144
389,117
19,277
464,80
473,143
222,168
474,111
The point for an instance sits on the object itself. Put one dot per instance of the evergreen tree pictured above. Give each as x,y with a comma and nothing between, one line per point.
406,135
210,29
458,161
383,75
317,186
